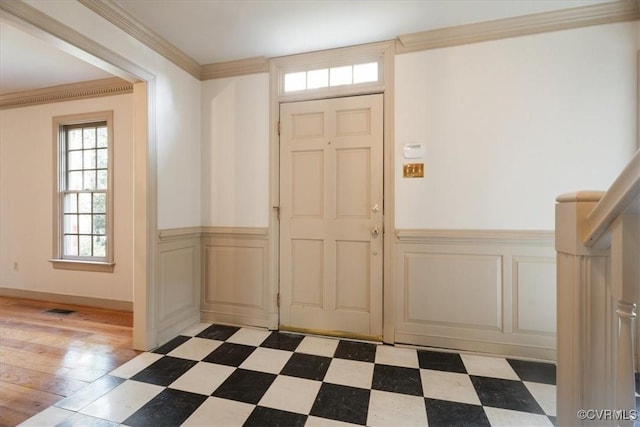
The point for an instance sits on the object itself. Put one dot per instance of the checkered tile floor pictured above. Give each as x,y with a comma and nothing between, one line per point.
216,375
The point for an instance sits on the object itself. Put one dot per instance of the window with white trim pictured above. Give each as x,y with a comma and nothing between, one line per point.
83,202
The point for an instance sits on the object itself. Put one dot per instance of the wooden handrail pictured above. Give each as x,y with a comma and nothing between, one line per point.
623,194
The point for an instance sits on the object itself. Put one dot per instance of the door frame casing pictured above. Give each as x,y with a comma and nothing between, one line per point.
385,53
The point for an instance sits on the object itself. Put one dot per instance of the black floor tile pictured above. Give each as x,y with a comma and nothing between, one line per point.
553,420
354,350
536,372
505,394
245,386
169,408
442,413
282,341
229,354
164,371
307,366
218,332
172,345
342,403
262,416
438,361
397,379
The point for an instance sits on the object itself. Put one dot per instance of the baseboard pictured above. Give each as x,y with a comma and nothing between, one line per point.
106,304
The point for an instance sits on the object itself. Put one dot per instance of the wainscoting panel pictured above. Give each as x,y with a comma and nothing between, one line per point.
178,281
235,270
477,290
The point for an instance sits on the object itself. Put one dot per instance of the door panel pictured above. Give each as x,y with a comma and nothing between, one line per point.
330,201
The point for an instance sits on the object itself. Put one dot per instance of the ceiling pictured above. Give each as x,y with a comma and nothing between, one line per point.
212,31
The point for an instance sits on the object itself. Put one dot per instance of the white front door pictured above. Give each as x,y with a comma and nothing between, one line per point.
331,211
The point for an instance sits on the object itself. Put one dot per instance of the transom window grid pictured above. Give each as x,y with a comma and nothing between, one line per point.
330,77
84,191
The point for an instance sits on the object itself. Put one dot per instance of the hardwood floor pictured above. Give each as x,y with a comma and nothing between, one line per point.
46,356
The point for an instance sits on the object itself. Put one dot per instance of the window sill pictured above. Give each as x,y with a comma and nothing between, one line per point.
68,264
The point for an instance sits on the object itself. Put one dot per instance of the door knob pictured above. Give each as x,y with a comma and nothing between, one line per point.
375,232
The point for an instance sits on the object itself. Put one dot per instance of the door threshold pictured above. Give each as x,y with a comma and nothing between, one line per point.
334,334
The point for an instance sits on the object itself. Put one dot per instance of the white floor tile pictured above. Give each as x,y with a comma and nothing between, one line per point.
485,366
396,356
121,402
507,418
195,349
545,395
318,346
135,365
449,386
216,412
390,409
249,336
291,394
350,372
266,360
325,422
49,417
194,330
203,378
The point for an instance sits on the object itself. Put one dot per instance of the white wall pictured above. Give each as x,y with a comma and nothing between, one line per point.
508,125
176,104
235,153
26,201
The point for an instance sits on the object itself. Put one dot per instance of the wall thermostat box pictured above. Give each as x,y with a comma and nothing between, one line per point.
413,151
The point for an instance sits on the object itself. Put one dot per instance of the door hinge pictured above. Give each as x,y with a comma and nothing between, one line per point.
277,209
278,128
278,300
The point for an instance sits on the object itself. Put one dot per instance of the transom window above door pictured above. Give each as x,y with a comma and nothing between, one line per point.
355,70
331,77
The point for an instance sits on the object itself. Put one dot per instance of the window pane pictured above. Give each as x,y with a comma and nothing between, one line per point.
74,181
99,246
89,180
340,76
99,224
74,139
102,180
70,203
70,225
318,78
89,137
85,245
84,224
74,161
99,203
363,73
295,81
102,137
103,157
71,245
90,159
84,202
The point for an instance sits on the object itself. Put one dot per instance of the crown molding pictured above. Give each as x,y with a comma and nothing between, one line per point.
67,92
129,24
71,41
240,67
605,13
616,11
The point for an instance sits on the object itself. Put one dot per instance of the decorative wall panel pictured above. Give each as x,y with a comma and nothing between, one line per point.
486,291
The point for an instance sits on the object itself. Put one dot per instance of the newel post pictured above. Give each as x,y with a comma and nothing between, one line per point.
584,332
